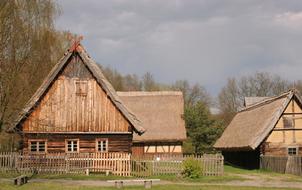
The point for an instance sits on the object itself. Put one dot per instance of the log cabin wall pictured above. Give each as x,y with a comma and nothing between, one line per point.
286,134
75,102
56,143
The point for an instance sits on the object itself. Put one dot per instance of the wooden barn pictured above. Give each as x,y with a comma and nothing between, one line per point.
161,114
266,126
77,110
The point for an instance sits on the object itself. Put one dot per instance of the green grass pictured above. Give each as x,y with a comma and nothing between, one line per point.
172,178
92,176
57,186
203,179
235,170
268,175
230,174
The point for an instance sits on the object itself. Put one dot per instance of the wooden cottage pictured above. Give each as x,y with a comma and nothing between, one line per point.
161,114
77,110
266,126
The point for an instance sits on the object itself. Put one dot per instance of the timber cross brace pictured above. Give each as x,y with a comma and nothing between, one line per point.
75,42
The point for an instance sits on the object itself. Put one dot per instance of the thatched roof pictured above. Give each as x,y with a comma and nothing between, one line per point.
248,101
161,114
254,123
100,78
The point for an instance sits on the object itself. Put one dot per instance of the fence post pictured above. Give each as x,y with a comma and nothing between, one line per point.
67,163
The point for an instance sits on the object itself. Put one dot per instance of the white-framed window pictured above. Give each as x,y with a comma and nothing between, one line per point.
292,151
81,88
102,145
72,145
288,122
37,146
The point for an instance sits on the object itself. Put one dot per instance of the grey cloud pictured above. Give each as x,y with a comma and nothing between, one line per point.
203,41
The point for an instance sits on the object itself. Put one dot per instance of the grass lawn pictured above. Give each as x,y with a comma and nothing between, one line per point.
55,186
172,178
231,174
230,171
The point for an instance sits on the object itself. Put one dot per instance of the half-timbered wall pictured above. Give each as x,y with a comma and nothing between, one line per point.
157,148
75,102
87,142
287,132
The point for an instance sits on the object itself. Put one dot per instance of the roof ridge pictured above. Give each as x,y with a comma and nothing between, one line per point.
267,100
149,93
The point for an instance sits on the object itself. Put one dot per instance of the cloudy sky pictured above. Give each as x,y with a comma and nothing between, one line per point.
204,41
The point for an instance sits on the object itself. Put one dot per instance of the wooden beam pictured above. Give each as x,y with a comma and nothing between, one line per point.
96,133
288,129
299,113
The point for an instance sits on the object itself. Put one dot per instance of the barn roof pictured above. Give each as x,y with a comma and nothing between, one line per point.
252,125
248,101
96,72
161,114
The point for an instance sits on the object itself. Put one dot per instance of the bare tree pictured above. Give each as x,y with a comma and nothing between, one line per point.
231,97
132,83
192,93
148,82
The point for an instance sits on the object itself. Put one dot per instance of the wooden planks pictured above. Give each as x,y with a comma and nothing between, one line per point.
121,164
60,163
282,164
64,109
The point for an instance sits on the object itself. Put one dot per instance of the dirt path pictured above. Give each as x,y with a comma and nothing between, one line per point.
249,180
94,182
262,180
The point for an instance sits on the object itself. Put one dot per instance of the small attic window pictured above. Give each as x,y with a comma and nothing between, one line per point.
288,122
81,88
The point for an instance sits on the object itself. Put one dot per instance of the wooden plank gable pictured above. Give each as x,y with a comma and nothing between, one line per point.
75,102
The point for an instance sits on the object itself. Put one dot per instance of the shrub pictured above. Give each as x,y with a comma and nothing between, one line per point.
191,168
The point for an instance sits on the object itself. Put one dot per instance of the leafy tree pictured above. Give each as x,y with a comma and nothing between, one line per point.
29,47
202,129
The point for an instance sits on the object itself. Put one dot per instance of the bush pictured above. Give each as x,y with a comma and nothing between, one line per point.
191,168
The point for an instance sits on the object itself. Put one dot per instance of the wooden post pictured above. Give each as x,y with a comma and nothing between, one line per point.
119,184
148,184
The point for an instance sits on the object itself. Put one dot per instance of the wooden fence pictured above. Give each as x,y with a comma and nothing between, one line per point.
117,163
212,165
121,164
282,164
